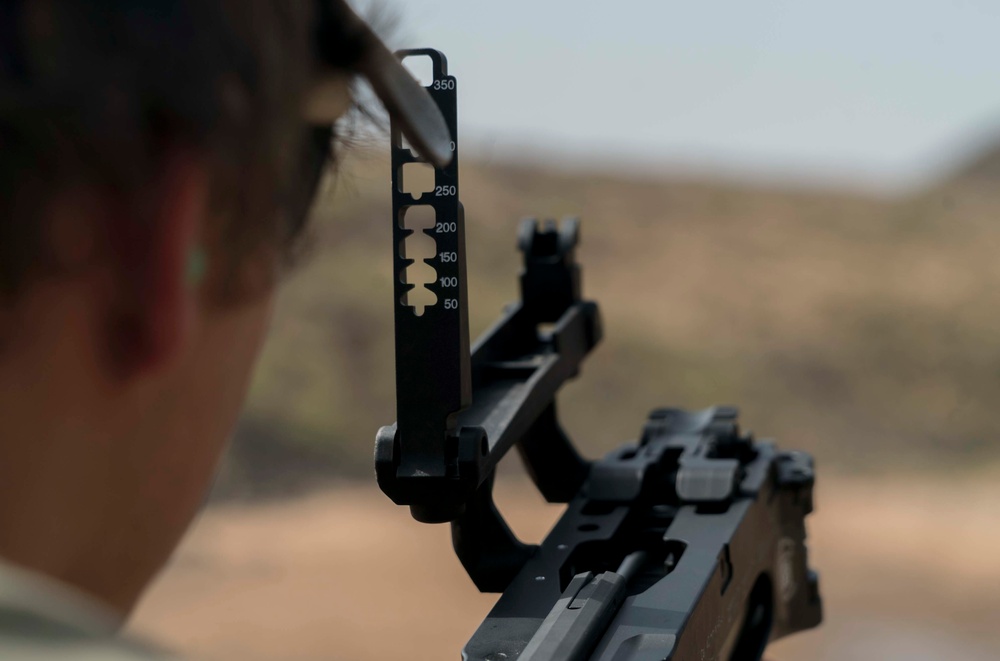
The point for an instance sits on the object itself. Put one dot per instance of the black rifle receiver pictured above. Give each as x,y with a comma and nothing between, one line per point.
687,545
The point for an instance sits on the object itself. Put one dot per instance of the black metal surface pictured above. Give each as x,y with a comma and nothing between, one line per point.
516,370
688,544
711,566
437,455
433,380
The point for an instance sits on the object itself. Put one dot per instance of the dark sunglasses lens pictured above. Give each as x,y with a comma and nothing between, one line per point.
317,152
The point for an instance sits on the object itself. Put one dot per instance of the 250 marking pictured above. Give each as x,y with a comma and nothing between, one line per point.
445,191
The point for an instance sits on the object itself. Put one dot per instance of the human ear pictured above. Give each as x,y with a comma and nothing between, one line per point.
155,255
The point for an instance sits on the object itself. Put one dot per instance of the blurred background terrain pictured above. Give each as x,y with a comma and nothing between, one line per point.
854,326
858,327
851,312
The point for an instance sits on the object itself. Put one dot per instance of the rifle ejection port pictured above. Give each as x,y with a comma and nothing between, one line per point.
418,246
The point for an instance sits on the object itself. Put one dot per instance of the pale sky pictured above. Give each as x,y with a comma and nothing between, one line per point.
885,93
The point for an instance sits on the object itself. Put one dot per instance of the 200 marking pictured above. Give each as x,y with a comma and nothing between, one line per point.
446,227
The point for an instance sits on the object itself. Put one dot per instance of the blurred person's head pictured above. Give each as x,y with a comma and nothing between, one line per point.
154,177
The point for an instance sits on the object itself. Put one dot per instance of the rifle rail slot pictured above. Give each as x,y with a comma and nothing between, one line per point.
417,247
416,179
520,370
421,67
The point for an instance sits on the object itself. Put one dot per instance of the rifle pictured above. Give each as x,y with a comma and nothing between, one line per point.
685,545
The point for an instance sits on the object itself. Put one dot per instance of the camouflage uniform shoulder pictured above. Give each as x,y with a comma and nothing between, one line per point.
42,619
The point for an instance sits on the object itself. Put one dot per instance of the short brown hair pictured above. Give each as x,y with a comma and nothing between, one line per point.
92,92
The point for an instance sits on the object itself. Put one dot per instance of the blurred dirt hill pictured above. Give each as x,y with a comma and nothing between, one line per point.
982,169
865,329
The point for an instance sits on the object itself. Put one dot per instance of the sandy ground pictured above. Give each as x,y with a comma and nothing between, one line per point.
910,570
